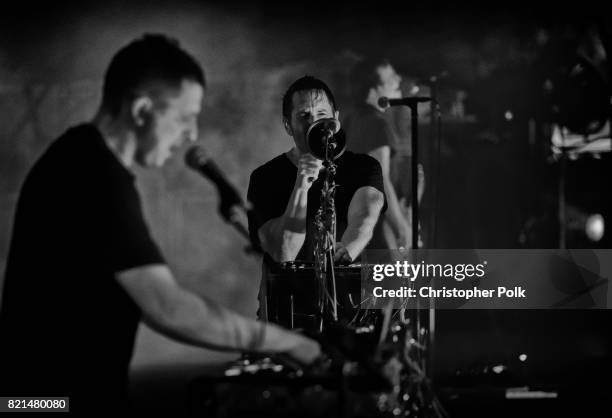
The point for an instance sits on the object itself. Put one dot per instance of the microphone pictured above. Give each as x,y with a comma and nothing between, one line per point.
385,102
322,133
329,126
230,200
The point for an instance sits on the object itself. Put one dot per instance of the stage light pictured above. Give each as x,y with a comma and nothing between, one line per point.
590,224
498,369
595,227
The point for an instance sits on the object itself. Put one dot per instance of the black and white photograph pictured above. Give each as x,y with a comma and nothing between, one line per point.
306,209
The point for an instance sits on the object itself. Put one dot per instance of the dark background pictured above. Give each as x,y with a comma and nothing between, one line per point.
489,176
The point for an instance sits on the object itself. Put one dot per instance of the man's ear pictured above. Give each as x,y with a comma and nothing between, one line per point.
141,110
287,126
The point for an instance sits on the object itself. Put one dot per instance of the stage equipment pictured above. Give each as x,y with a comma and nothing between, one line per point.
366,371
578,96
426,338
566,147
326,139
412,103
325,143
231,206
580,112
292,294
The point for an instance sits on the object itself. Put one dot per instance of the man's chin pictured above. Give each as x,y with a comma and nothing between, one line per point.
159,163
152,161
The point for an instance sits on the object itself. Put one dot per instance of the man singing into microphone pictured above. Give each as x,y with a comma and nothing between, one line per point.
83,267
369,131
285,192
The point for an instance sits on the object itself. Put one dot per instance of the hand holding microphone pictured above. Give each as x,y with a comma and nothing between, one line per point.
318,135
308,168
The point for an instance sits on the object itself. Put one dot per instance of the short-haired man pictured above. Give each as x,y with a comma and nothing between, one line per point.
368,131
83,267
285,192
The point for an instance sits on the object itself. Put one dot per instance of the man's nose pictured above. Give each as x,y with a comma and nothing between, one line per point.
315,118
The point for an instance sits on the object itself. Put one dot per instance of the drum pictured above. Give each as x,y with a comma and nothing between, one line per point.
292,294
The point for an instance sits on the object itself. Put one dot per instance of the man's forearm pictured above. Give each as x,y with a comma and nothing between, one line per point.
202,322
363,213
283,237
356,237
187,317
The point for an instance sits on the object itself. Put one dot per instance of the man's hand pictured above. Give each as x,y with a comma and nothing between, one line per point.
342,256
308,168
305,350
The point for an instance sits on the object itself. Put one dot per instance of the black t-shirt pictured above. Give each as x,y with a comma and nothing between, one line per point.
271,186
67,327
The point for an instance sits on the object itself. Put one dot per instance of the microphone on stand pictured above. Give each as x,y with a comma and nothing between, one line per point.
385,102
325,138
230,200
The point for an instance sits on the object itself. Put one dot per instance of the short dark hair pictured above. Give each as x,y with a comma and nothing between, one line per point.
364,76
305,83
153,57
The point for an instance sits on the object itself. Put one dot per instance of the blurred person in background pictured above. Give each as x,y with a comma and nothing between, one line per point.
369,131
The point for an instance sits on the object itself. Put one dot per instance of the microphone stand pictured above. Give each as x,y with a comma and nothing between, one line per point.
414,143
230,201
230,206
412,103
327,147
414,130
436,132
230,214
325,245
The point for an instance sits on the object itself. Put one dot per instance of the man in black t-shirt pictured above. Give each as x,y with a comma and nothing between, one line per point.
285,192
82,266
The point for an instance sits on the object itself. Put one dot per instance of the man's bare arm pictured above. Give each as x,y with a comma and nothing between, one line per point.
180,314
363,213
283,237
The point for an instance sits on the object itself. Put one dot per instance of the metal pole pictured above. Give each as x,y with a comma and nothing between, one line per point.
414,127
